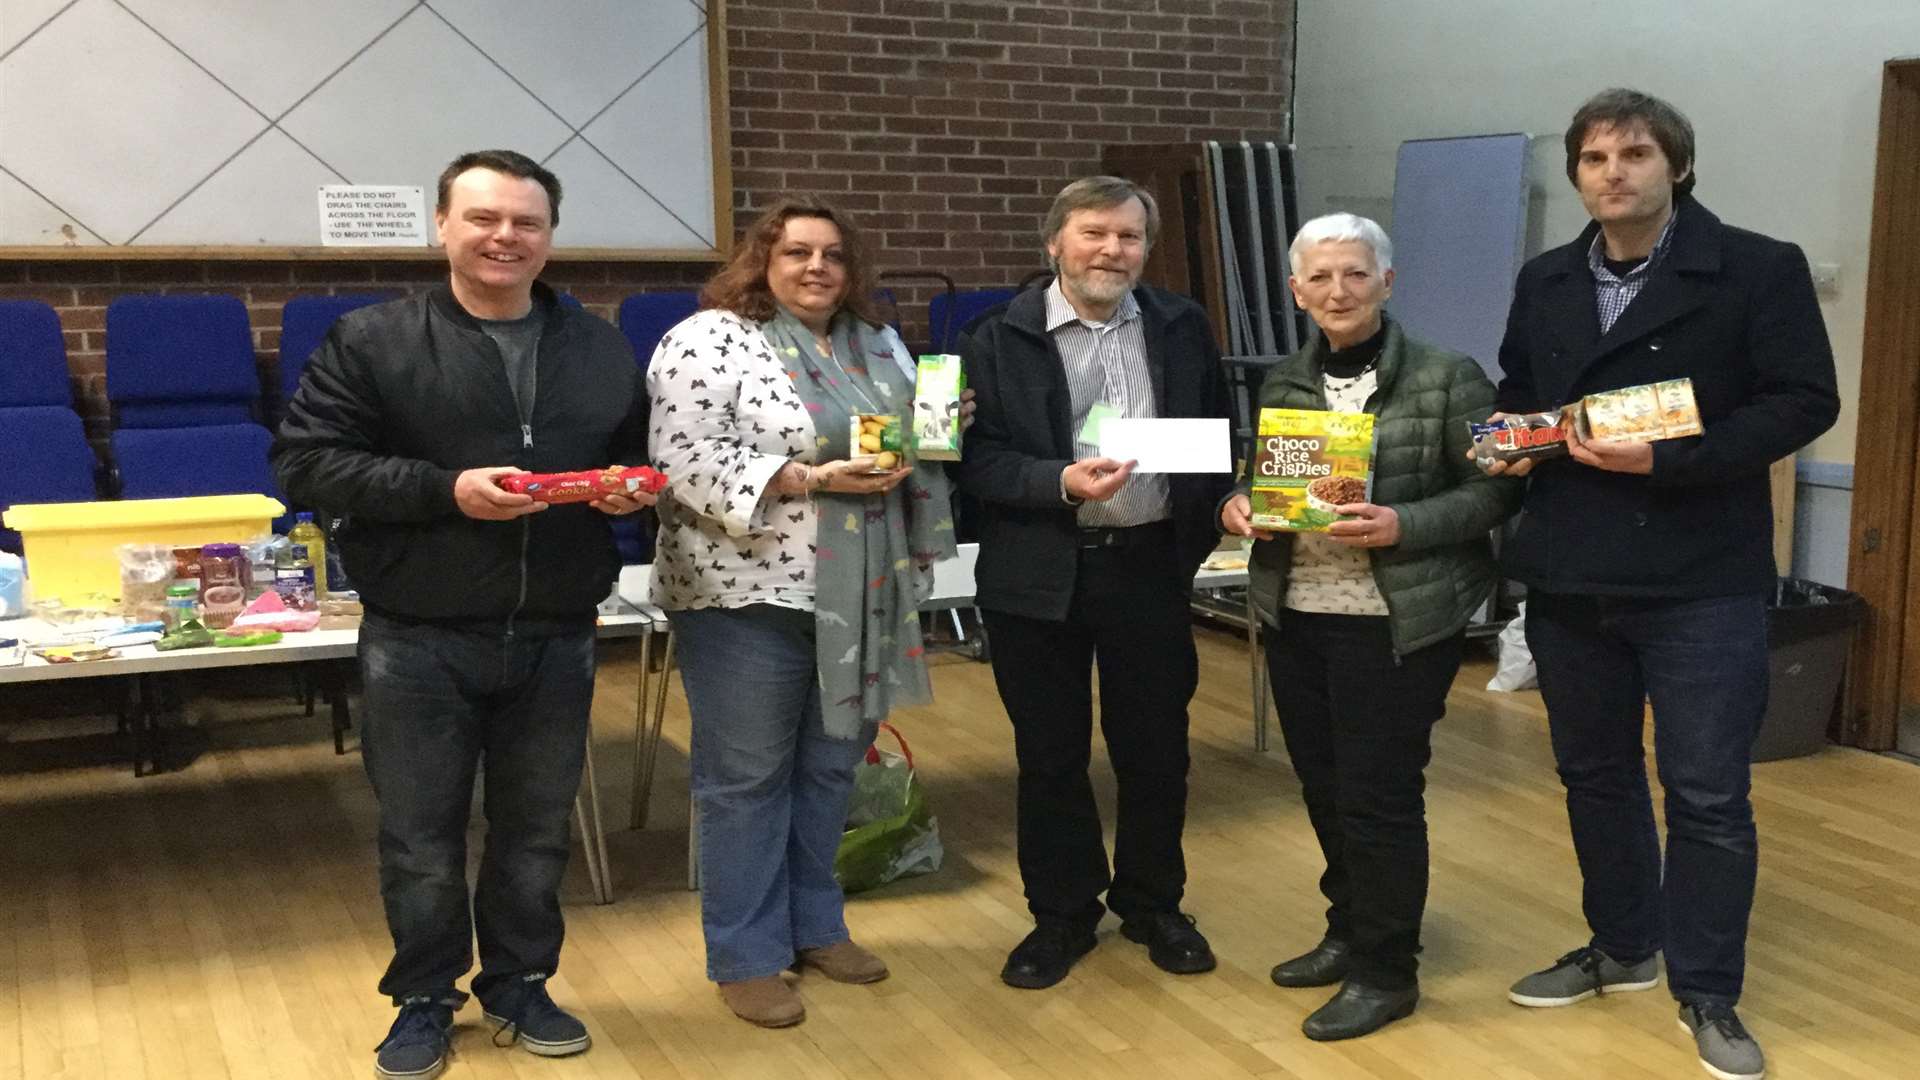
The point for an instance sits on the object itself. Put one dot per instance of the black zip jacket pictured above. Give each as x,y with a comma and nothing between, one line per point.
1021,439
404,396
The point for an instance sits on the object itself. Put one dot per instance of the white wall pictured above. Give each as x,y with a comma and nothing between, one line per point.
1784,96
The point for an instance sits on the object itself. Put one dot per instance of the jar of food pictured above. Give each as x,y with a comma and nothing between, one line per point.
222,564
183,604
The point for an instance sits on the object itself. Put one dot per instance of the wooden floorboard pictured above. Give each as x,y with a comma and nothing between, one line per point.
223,920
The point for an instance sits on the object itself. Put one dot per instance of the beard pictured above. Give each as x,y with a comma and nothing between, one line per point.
1100,287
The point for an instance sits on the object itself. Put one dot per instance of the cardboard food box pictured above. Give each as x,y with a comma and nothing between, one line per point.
1305,463
936,407
880,436
1649,413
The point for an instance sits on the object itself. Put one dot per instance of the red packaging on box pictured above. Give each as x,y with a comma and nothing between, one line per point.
577,487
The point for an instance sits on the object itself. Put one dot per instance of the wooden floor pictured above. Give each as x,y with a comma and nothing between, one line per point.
223,920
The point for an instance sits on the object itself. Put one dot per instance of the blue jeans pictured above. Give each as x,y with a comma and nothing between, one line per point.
439,702
770,788
1703,665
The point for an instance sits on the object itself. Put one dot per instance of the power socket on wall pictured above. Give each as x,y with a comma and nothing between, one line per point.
1826,279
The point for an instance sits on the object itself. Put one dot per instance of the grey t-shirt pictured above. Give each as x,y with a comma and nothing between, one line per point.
519,341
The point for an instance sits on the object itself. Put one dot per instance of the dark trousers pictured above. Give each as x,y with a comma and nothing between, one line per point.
439,703
1703,665
1358,725
1130,618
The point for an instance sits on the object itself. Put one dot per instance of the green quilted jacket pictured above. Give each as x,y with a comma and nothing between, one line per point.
1442,569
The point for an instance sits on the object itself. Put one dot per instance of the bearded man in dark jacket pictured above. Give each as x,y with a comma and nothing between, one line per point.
1080,560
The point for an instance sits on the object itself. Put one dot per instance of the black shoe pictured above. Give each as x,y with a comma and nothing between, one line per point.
1326,965
1359,1010
1173,943
523,1011
1045,956
417,1046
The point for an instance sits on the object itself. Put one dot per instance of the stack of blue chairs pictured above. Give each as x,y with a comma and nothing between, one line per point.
304,323
44,456
185,393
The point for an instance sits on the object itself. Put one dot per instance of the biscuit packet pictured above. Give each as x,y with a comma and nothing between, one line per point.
1649,413
1514,436
1305,463
881,436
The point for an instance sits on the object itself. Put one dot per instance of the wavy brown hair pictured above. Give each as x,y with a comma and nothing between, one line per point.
741,285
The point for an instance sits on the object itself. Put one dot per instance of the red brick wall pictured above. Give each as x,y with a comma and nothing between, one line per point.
946,126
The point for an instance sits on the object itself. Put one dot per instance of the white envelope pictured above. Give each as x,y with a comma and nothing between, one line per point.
1169,446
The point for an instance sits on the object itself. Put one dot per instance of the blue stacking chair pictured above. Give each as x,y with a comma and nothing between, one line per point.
184,387
947,316
646,317
304,323
44,456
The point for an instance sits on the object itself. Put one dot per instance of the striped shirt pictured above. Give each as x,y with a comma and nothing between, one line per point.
1107,362
1613,292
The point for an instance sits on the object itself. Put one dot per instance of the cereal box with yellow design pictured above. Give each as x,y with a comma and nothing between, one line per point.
1305,463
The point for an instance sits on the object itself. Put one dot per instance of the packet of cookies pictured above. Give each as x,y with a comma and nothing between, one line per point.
1520,435
1649,413
878,435
587,485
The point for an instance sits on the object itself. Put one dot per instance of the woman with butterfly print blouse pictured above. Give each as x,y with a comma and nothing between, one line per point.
792,572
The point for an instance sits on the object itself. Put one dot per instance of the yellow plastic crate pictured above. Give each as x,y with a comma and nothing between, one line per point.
70,547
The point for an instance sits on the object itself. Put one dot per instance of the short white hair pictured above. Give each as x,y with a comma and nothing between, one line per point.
1342,228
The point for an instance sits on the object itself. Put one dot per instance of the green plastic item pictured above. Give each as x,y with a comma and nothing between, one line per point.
231,640
891,834
191,634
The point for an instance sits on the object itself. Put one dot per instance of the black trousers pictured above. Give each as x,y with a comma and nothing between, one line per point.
1358,725
1130,618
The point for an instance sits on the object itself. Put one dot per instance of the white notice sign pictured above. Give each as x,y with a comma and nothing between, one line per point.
354,215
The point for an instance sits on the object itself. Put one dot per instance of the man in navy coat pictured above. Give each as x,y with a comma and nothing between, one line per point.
1648,565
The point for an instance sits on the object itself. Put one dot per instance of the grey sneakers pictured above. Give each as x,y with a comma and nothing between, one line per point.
1726,1050
1579,975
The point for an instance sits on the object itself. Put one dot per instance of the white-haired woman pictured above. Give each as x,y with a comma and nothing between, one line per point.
1365,623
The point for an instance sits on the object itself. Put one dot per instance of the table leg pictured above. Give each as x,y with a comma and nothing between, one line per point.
596,840
589,852
1257,669
637,812
653,719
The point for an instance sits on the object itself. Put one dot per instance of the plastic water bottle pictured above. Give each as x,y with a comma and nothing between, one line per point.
307,534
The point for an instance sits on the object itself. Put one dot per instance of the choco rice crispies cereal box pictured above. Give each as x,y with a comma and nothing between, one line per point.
1305,463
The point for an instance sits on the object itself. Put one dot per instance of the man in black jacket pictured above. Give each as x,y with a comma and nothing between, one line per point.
478,640
1081,561
1649,564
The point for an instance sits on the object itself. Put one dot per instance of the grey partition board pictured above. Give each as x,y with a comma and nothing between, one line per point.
1459,234
209,122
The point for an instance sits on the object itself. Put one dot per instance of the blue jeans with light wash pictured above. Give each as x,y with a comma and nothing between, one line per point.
442,703
770,788
1702,663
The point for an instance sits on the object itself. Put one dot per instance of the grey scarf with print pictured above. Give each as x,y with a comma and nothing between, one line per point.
874,554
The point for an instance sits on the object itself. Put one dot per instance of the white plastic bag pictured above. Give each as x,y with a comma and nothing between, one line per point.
1513,668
